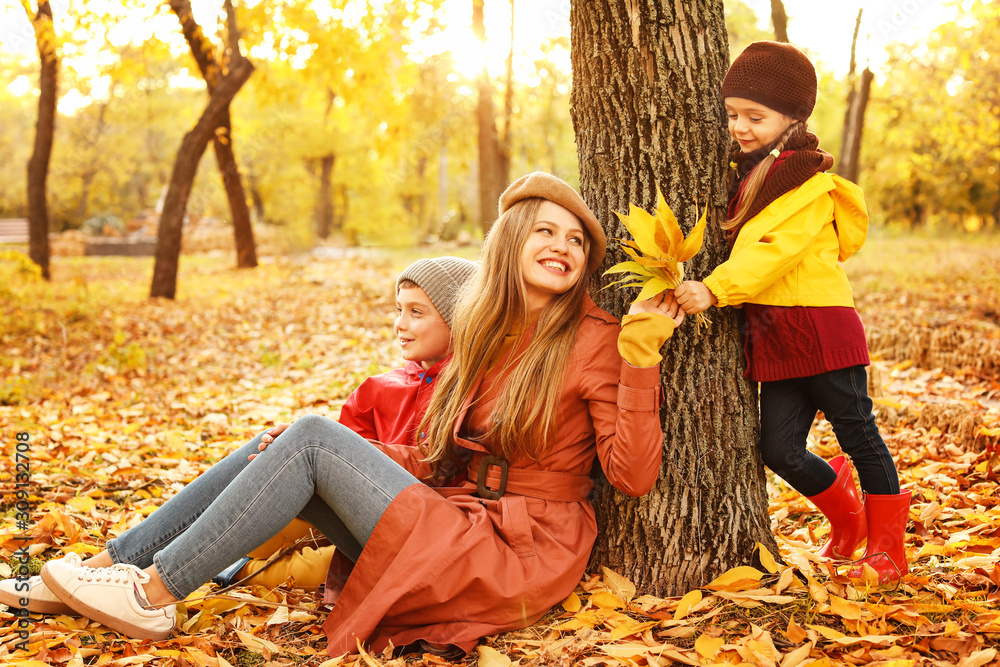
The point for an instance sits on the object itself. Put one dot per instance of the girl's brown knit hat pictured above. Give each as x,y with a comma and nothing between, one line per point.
775,74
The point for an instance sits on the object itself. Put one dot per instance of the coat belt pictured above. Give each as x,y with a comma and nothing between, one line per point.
543,484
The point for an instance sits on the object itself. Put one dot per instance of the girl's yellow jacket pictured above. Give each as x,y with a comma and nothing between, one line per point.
789,253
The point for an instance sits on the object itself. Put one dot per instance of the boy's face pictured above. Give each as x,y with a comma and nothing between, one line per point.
423,335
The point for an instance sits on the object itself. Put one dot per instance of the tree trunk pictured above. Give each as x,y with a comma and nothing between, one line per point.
780,20
508,110
225,155
168,240
647,114
324,198
341,209
256,198
854,129
845,168
491,179
246,249
439,229
38,165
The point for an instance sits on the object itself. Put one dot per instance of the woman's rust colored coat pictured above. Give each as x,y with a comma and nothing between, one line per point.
450,567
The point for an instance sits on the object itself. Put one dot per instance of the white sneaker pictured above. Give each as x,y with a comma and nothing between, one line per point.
110,595
40,600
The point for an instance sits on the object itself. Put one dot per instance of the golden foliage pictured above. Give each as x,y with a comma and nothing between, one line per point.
658,250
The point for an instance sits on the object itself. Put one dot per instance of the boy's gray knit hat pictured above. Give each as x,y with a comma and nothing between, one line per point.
441,279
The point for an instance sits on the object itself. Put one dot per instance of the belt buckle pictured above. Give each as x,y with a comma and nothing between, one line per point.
484,464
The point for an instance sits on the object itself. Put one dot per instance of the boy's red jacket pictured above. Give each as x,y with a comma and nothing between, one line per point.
389,407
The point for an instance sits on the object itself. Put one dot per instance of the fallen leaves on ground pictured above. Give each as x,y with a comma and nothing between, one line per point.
128,399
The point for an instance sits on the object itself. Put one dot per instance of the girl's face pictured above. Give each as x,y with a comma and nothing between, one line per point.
423,334
553,257
754,125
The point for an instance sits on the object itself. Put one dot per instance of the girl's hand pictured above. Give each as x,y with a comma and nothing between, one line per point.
694,297
268,437
664,303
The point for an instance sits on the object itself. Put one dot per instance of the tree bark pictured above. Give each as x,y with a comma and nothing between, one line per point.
38,165
647,114
168,240
492,182
780,20
225,156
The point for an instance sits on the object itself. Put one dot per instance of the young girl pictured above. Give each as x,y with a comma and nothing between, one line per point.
536,389
790,224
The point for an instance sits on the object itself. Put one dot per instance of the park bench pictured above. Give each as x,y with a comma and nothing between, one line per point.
14,230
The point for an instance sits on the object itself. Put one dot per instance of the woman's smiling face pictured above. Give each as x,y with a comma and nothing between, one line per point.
553,257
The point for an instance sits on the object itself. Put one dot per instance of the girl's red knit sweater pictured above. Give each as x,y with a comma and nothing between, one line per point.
791,342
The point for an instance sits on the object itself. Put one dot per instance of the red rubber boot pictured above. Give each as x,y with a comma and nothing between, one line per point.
886,554
842,506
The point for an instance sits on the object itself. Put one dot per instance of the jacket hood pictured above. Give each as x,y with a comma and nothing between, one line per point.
850,216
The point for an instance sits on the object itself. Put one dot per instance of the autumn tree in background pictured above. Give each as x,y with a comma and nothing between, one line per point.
211,66
932,130
390,157
168,241
324,199
45,127
858,92
647,116
494,153
742,26
779,19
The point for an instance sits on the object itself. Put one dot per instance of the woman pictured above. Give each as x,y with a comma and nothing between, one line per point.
500,529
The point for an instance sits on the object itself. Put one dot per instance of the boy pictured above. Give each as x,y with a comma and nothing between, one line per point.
386,407
389,406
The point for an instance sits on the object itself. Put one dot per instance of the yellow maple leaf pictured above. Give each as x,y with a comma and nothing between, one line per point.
658,250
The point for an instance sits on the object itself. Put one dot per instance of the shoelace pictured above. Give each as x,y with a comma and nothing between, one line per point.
119,573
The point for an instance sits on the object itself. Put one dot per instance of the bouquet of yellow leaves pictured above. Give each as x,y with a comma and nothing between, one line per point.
658,251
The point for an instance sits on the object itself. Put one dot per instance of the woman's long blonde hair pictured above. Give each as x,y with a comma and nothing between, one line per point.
492,306
755,179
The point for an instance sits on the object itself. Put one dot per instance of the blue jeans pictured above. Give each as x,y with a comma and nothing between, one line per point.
317,469
787,411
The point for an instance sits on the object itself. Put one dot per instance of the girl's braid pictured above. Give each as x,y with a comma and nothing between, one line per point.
755,179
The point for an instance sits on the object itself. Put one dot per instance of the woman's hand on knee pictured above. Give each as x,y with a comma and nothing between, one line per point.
268,437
